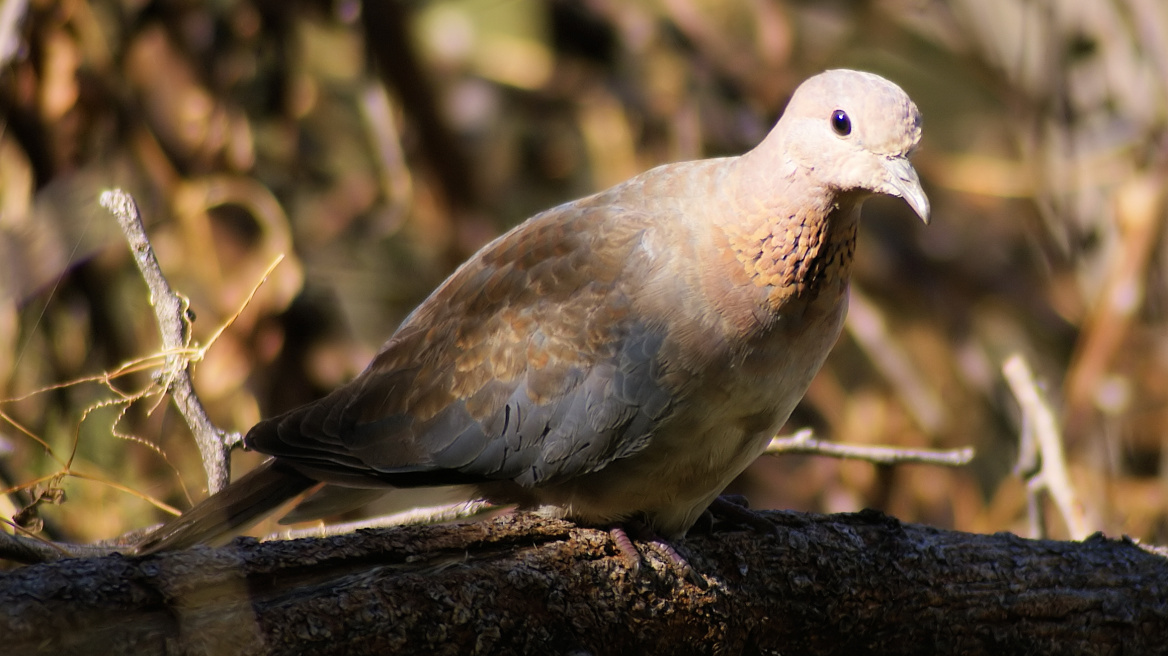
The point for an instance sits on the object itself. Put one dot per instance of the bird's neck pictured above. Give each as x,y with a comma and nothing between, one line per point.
793,239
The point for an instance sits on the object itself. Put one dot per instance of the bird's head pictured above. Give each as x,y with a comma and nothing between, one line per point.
853,131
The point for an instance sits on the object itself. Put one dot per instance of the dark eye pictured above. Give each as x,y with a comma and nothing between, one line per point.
841,123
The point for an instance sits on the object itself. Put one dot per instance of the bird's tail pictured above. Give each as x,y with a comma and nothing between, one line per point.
232,509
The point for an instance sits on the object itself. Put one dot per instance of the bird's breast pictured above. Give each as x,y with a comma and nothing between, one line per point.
735,380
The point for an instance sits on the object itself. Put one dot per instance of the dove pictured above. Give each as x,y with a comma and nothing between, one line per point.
618,358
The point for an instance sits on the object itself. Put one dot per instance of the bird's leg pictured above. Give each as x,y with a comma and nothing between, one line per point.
734,509
628,550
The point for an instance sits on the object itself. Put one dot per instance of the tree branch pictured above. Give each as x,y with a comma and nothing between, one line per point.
840,584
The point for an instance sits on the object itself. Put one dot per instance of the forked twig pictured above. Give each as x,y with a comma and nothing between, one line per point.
174,325
1041,462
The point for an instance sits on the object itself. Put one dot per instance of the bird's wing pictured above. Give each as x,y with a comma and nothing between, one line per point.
528,365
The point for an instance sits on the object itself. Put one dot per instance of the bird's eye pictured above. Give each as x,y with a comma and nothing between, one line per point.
841,123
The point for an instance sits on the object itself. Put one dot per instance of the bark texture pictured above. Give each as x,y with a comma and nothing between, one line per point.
839,584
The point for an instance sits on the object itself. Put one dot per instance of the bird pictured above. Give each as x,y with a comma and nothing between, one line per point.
618,358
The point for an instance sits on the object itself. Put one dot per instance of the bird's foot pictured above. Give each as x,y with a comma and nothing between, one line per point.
734,509
632,556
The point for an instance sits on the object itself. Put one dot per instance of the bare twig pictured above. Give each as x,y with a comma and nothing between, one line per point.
803,442
1040,459
440,514
174,325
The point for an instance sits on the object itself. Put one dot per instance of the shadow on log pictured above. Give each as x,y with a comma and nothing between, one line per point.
838,584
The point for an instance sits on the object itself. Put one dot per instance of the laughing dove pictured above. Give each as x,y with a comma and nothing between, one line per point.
618,358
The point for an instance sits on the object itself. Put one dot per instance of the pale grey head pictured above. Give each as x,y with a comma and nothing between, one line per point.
861,123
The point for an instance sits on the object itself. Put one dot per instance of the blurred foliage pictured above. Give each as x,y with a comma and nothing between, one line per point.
377,144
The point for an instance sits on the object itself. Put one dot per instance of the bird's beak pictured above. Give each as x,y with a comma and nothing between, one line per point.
904,182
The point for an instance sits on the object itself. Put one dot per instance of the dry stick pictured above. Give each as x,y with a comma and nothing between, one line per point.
174,326
804,443
439,514
1040,460
1029,464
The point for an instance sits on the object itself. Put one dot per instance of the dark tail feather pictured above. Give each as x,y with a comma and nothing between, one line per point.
232,509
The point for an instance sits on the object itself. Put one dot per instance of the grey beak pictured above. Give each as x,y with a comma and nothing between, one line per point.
903,181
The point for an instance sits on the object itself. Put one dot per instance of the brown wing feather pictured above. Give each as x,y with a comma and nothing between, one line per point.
525,365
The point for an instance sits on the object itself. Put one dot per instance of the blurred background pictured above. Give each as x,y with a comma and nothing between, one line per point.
377,144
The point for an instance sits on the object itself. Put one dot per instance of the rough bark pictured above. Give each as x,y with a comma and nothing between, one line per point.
840,584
